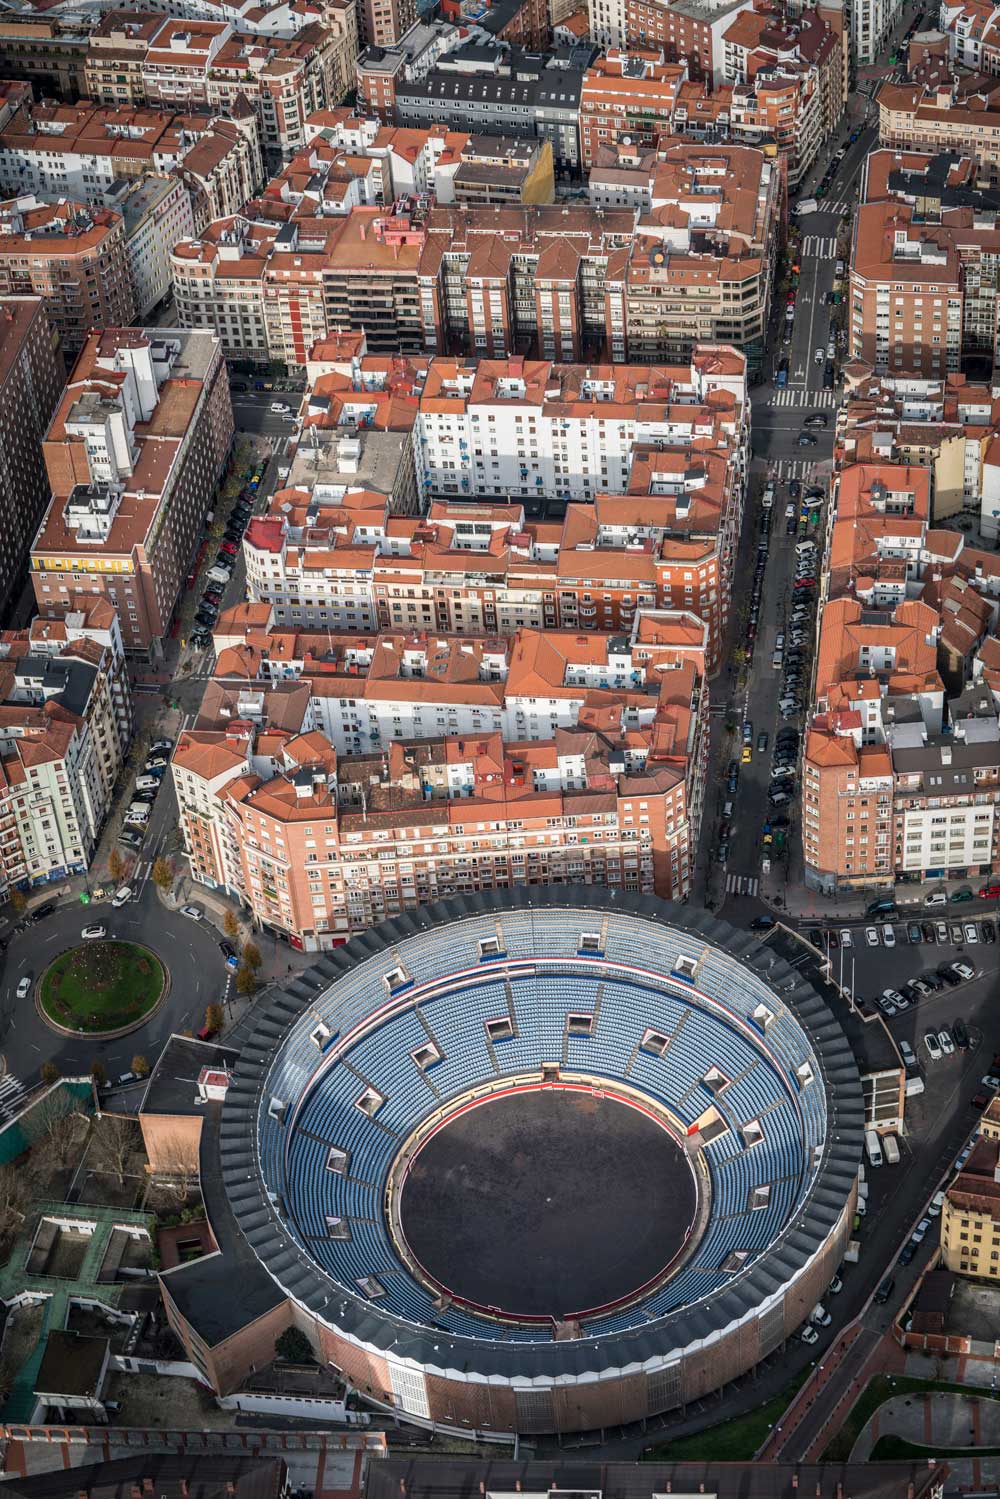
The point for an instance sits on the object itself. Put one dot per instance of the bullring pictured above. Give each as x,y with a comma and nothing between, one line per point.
617,1014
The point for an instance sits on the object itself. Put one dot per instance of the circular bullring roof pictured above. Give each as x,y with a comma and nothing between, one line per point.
652,1109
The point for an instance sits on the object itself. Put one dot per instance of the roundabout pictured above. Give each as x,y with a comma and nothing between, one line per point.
102,988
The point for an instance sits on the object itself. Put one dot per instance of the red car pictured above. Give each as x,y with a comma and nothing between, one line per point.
989,892
230,548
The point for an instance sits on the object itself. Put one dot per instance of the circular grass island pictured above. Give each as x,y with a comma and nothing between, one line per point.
101,988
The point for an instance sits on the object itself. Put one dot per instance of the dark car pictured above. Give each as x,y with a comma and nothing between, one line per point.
927,932
762,923
932,981
807,440
908,1252
989,931
913,932
980,1100
794,488
960,1035
815,936
206,619
950,977
885,1290
816,419
45,909
237,385
224,559
227,949
828,379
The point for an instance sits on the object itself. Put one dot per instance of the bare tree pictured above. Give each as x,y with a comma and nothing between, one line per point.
15,1198
115,1138
174,1165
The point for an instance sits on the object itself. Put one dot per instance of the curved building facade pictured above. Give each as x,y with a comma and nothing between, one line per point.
547,1161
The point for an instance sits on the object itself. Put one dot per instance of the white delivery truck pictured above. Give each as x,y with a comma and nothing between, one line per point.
891,1147
806,205
873,1149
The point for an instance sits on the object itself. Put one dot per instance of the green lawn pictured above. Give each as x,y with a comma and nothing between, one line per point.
876,1392
733,1441
101,986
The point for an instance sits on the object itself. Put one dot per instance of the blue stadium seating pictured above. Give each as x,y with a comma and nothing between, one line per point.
322,1090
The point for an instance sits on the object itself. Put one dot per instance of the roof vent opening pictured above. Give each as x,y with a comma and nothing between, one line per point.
370,1102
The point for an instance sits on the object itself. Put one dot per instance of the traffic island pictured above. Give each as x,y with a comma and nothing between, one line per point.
102,989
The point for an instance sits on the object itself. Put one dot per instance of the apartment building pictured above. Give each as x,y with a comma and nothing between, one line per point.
700,264
947,426
48,51
65,729
688,31
661,528
271,811
133,454
492,87
74,257
208,64
380,69
789,82
627,94
970,1216
32,377
906,293
157,212
901,772
84,151
943,192
960,115
383,23
116,53
348,162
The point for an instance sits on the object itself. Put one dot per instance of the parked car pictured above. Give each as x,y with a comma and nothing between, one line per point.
192,912
933,1048
936,898
945,1042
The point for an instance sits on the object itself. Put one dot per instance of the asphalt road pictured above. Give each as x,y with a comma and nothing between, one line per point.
188,948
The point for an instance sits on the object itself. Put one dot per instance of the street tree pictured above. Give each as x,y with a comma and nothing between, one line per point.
163,874
246,980
230,926
251,955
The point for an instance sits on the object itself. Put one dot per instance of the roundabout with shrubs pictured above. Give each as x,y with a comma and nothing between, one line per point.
101,988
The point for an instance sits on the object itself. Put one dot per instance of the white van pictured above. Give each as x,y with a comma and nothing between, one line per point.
218,575
147,783
873,1150
806,205
767,499
891,1147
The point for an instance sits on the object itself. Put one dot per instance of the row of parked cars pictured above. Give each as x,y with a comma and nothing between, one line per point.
895,1001
144,793
221,570
915,932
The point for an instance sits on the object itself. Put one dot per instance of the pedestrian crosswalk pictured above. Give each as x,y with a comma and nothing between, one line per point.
819,247
790,468
802,398
841,206
12,1092
741,884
